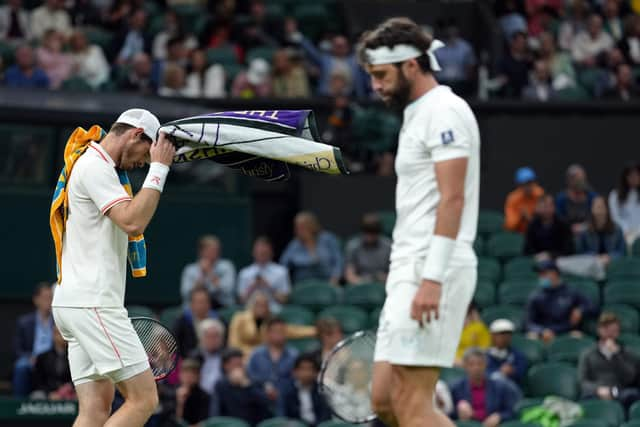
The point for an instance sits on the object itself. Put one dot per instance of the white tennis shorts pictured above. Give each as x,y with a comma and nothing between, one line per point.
102,344
401,340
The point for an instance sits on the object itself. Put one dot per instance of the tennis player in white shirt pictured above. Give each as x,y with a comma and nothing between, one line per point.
432,275
88,304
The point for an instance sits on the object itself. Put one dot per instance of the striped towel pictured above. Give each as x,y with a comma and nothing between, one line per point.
76,146
260,144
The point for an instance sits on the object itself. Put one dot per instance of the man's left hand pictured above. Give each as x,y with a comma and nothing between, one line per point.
426,302
492,420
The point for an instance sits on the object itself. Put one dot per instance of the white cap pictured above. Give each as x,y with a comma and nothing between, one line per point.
258,72
501,325
139,118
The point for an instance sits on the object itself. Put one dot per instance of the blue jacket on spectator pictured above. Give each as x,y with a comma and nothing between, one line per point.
14,77
588,242
550,308
501,397
562,207
262,369
26,333
247,403
289,404
326,263
496,358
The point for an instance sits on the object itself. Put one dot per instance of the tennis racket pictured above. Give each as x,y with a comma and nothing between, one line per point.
345,378
159,343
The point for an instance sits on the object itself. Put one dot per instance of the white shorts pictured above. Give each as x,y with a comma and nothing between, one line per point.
102,344
400,339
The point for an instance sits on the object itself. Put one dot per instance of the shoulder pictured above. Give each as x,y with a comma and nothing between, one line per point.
189,268
459,386
27,319
225,263
247,271
277,268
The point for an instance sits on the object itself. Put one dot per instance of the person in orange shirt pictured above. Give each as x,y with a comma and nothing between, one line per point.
521,202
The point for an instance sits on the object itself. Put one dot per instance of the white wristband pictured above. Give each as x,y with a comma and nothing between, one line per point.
438,257
156,177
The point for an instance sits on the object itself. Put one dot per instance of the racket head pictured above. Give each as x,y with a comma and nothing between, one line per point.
159,344
345,378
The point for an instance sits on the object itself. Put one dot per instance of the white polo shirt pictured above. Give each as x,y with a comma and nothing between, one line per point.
436,127
94,248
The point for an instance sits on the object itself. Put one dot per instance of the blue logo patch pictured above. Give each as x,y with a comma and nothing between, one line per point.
447,137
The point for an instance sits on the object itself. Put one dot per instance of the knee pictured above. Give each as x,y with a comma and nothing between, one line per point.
381,404
146,402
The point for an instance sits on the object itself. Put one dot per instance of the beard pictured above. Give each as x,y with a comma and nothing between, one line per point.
399,98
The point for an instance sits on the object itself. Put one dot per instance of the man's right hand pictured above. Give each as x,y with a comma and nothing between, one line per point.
604,393
465,411
162,151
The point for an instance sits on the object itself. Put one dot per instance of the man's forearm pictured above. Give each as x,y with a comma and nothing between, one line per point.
448,216
140,210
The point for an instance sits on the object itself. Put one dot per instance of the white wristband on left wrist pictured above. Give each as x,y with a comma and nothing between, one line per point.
156,177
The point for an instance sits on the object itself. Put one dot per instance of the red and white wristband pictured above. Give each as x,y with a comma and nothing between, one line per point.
156,177
440,251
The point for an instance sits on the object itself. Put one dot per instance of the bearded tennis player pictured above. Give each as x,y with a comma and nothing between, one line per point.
88,304
433,266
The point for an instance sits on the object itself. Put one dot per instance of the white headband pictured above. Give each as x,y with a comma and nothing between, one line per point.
402,52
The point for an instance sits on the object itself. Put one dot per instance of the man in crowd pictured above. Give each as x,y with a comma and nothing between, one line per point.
265,275
457,61
14,22
547,235
573,205
191,401
329,333
188,323
591,43
50,16
608,371
133,40
301,400
514,67
25,73
139,79
209,353
367,256
521,202
504,361
34,336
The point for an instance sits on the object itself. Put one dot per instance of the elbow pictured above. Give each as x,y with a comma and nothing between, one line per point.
133,229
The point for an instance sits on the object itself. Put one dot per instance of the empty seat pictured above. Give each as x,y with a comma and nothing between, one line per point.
516,292
513,313
609,412
553,378
519,268
314,296
489,269
568,348
140,311
490,221
624,268
634,411
622,293
281,422
296,315
304,345
351,319
366,296
533,349
588,423
485,294
222,55
586,287
505,245
631,342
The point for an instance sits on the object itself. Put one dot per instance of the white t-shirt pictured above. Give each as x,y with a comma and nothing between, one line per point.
94,248
436,127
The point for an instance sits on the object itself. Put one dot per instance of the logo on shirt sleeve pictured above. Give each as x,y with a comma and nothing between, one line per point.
447,137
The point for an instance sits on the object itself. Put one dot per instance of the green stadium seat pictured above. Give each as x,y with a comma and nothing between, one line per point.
490,222
516,292
140,311
281,422
312,19
609,412
188,13
526,403
511,312
375,130
631,342
374,317
485,294
155,24
635,248
634,411
631,423
99,37
534,350
575,93
224,422
76,84
505,245
169,315
588,288
553,378
478,246
451,375
521,267
366,296
622,293
351,319
489,269
314,296
304,345
263,52
468,423
624,268
336,423
226,313
296,315
388,220
628,316
568,348
588,423
518,424
7,53
224,55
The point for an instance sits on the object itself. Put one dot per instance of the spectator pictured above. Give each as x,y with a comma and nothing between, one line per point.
329,333
555,308
203,81
248,328
612,22
482,398
356,390
603,237
514,67
117,14
172,29
457,61
216,274
608,371
538,12
173,81
51,374
256,30
265,275
187,326
301,399
521,202
14,22
511,20
177,53
573,205
559,63
88,60
367,256
290,79
192,402
474,333
253,83
25,73
313,253
57,64
271,364
625,88
139,78
85,13
624,202
132,40
591,43
209,353
236,395
50,16
34,336
630,44
540,85
504,361
547,235
574,23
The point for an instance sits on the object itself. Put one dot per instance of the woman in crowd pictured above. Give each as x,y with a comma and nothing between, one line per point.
474,333
624,202
603,237
89,61
203,81
56,64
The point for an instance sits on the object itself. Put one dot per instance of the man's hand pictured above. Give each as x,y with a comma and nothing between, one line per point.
465,411
576,317
507,369
492,420
604,393
548,335
426,301
611,346
162,151
182,393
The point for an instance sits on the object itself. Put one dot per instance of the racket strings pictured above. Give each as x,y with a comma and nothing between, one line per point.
159,344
